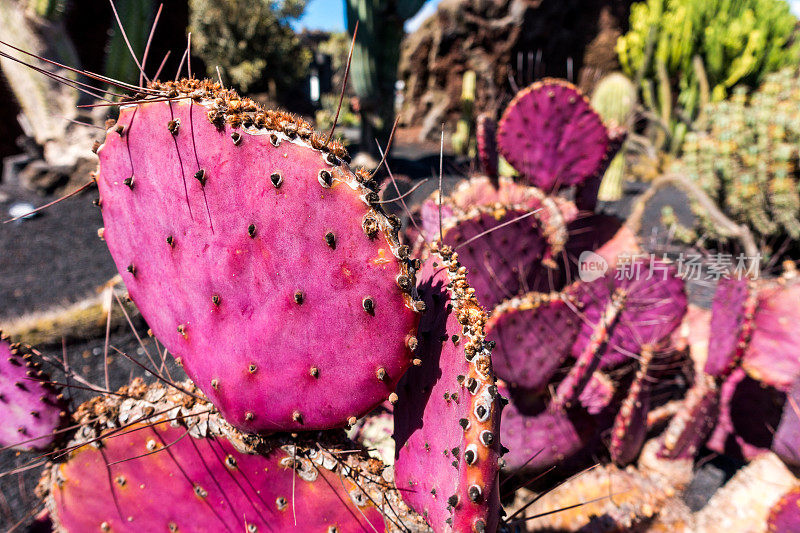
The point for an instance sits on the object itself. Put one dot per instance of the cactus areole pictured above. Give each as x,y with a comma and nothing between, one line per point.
257,257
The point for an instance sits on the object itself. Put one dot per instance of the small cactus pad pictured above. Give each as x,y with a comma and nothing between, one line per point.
447,417
552,213
501,249
486,138
185,475
773,353
257,257
31,409
552,136
731,322
784,517
690,427
537,437
630,425
534,335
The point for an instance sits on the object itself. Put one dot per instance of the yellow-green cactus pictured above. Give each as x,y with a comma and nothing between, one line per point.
746,158
688,48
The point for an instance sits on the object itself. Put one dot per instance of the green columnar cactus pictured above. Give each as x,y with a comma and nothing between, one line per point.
614,99
137,16
375,59
690,47
746,158
462,136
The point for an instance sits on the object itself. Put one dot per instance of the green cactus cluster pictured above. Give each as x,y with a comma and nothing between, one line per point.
746,158
686,52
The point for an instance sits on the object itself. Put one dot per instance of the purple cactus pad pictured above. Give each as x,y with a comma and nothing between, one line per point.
641,303
447,416
538,437
31,409
534,335
504,261
552,136
749,413
731,322
691,425
773,353
786,443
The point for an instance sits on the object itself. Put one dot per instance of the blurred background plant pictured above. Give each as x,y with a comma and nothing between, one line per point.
375,60
744,156
252,42
684,53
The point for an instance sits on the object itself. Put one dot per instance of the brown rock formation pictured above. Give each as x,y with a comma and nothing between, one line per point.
504,40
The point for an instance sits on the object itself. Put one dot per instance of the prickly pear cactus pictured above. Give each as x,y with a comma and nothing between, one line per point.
162,461
257,257
447,417
786,443
480,192
732,323
640,305
533,335
551,135
32,409
503,250
538,437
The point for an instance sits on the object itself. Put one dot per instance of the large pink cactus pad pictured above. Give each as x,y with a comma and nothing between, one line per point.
161,479
447,416
256,259
552,136
30,409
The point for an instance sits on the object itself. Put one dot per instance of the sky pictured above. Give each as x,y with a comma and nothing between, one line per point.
329,15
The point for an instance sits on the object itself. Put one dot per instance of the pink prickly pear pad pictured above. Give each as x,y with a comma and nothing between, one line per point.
257,257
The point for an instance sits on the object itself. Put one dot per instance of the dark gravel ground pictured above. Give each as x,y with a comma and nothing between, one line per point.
57,258
53,258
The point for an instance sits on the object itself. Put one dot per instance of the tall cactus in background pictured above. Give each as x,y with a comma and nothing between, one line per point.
677,49
375,59
137,16
464,126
